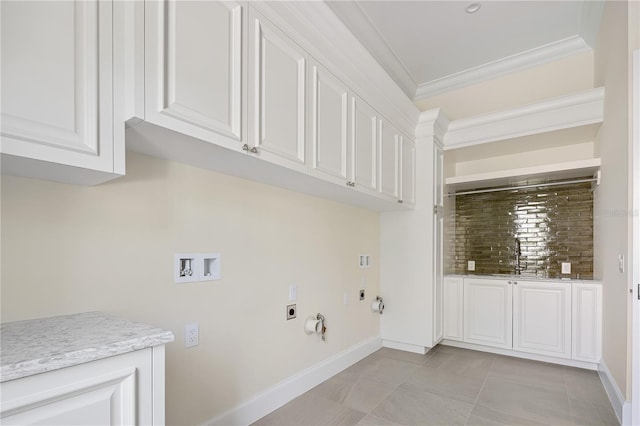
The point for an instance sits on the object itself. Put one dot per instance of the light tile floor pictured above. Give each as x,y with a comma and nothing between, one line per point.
450,386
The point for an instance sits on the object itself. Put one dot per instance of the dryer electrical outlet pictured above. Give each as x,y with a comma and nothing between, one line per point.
191,335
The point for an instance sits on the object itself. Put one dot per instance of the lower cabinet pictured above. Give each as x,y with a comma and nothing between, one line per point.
542,318
560,319
125,389
487,312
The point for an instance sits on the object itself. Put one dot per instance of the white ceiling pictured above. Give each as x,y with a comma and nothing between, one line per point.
430,47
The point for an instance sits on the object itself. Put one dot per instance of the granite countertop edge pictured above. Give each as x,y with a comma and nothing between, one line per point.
33,365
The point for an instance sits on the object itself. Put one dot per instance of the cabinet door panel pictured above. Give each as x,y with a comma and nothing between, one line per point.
364,136
278,88
407,183
453,307
329,125
488,309
389,140
587,322
56,82
542,318
194,67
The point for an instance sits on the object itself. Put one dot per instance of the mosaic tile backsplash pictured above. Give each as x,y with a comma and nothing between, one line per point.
553,225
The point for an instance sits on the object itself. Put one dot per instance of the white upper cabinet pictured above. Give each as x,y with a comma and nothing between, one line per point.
408,172
542,318
363,159
278,90
487,312
388,162
329,115
194,69
57,91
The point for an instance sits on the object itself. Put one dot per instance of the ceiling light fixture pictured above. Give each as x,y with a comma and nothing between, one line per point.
473,8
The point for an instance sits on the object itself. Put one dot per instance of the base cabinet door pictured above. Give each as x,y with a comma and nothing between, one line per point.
587,322
542,318
453,306
110,391
487,307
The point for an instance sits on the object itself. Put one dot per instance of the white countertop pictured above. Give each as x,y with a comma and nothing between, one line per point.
523,278
35,346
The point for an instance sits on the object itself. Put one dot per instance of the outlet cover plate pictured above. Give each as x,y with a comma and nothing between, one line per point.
471,265
191,335
566,267
291,311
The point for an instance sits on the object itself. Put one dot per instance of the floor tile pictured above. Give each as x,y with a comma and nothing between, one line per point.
527,371
585,386
387,370
401,355
371,420
411,407
445,383
363,394
483,416
464,362
543,403
311,410
587,414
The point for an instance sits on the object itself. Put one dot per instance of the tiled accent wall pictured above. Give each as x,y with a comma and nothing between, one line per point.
554,225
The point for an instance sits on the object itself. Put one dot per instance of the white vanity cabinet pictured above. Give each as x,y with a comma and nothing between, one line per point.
119,390
60,113
542,317
83,369
554,319
193,69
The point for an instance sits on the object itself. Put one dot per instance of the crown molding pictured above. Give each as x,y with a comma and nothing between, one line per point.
574,110
355,18
432,124
520,61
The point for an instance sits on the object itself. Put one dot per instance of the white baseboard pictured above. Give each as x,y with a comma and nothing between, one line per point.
405,347
294,386
620,406
524,355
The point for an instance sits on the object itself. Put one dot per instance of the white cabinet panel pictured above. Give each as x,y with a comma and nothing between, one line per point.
57,87
329,125
487,312
364,145
587,322
389,163
408,172
453,307
112,391
193,52
542,318
277,87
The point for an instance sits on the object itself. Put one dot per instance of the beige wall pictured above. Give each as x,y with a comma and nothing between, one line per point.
611,199
566,76
69,249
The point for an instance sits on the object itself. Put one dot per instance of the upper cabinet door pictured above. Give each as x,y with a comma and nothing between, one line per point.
364,145
277,87
408,172
328,125
193,52
57,93
389,163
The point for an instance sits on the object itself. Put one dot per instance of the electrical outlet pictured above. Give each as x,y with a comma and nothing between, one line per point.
191,335
362,294
471,265
345,298
566,268
291,311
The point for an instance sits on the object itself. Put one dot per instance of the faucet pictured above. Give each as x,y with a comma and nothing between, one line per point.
517,253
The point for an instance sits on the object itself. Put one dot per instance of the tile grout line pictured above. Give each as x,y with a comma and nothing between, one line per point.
475,402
